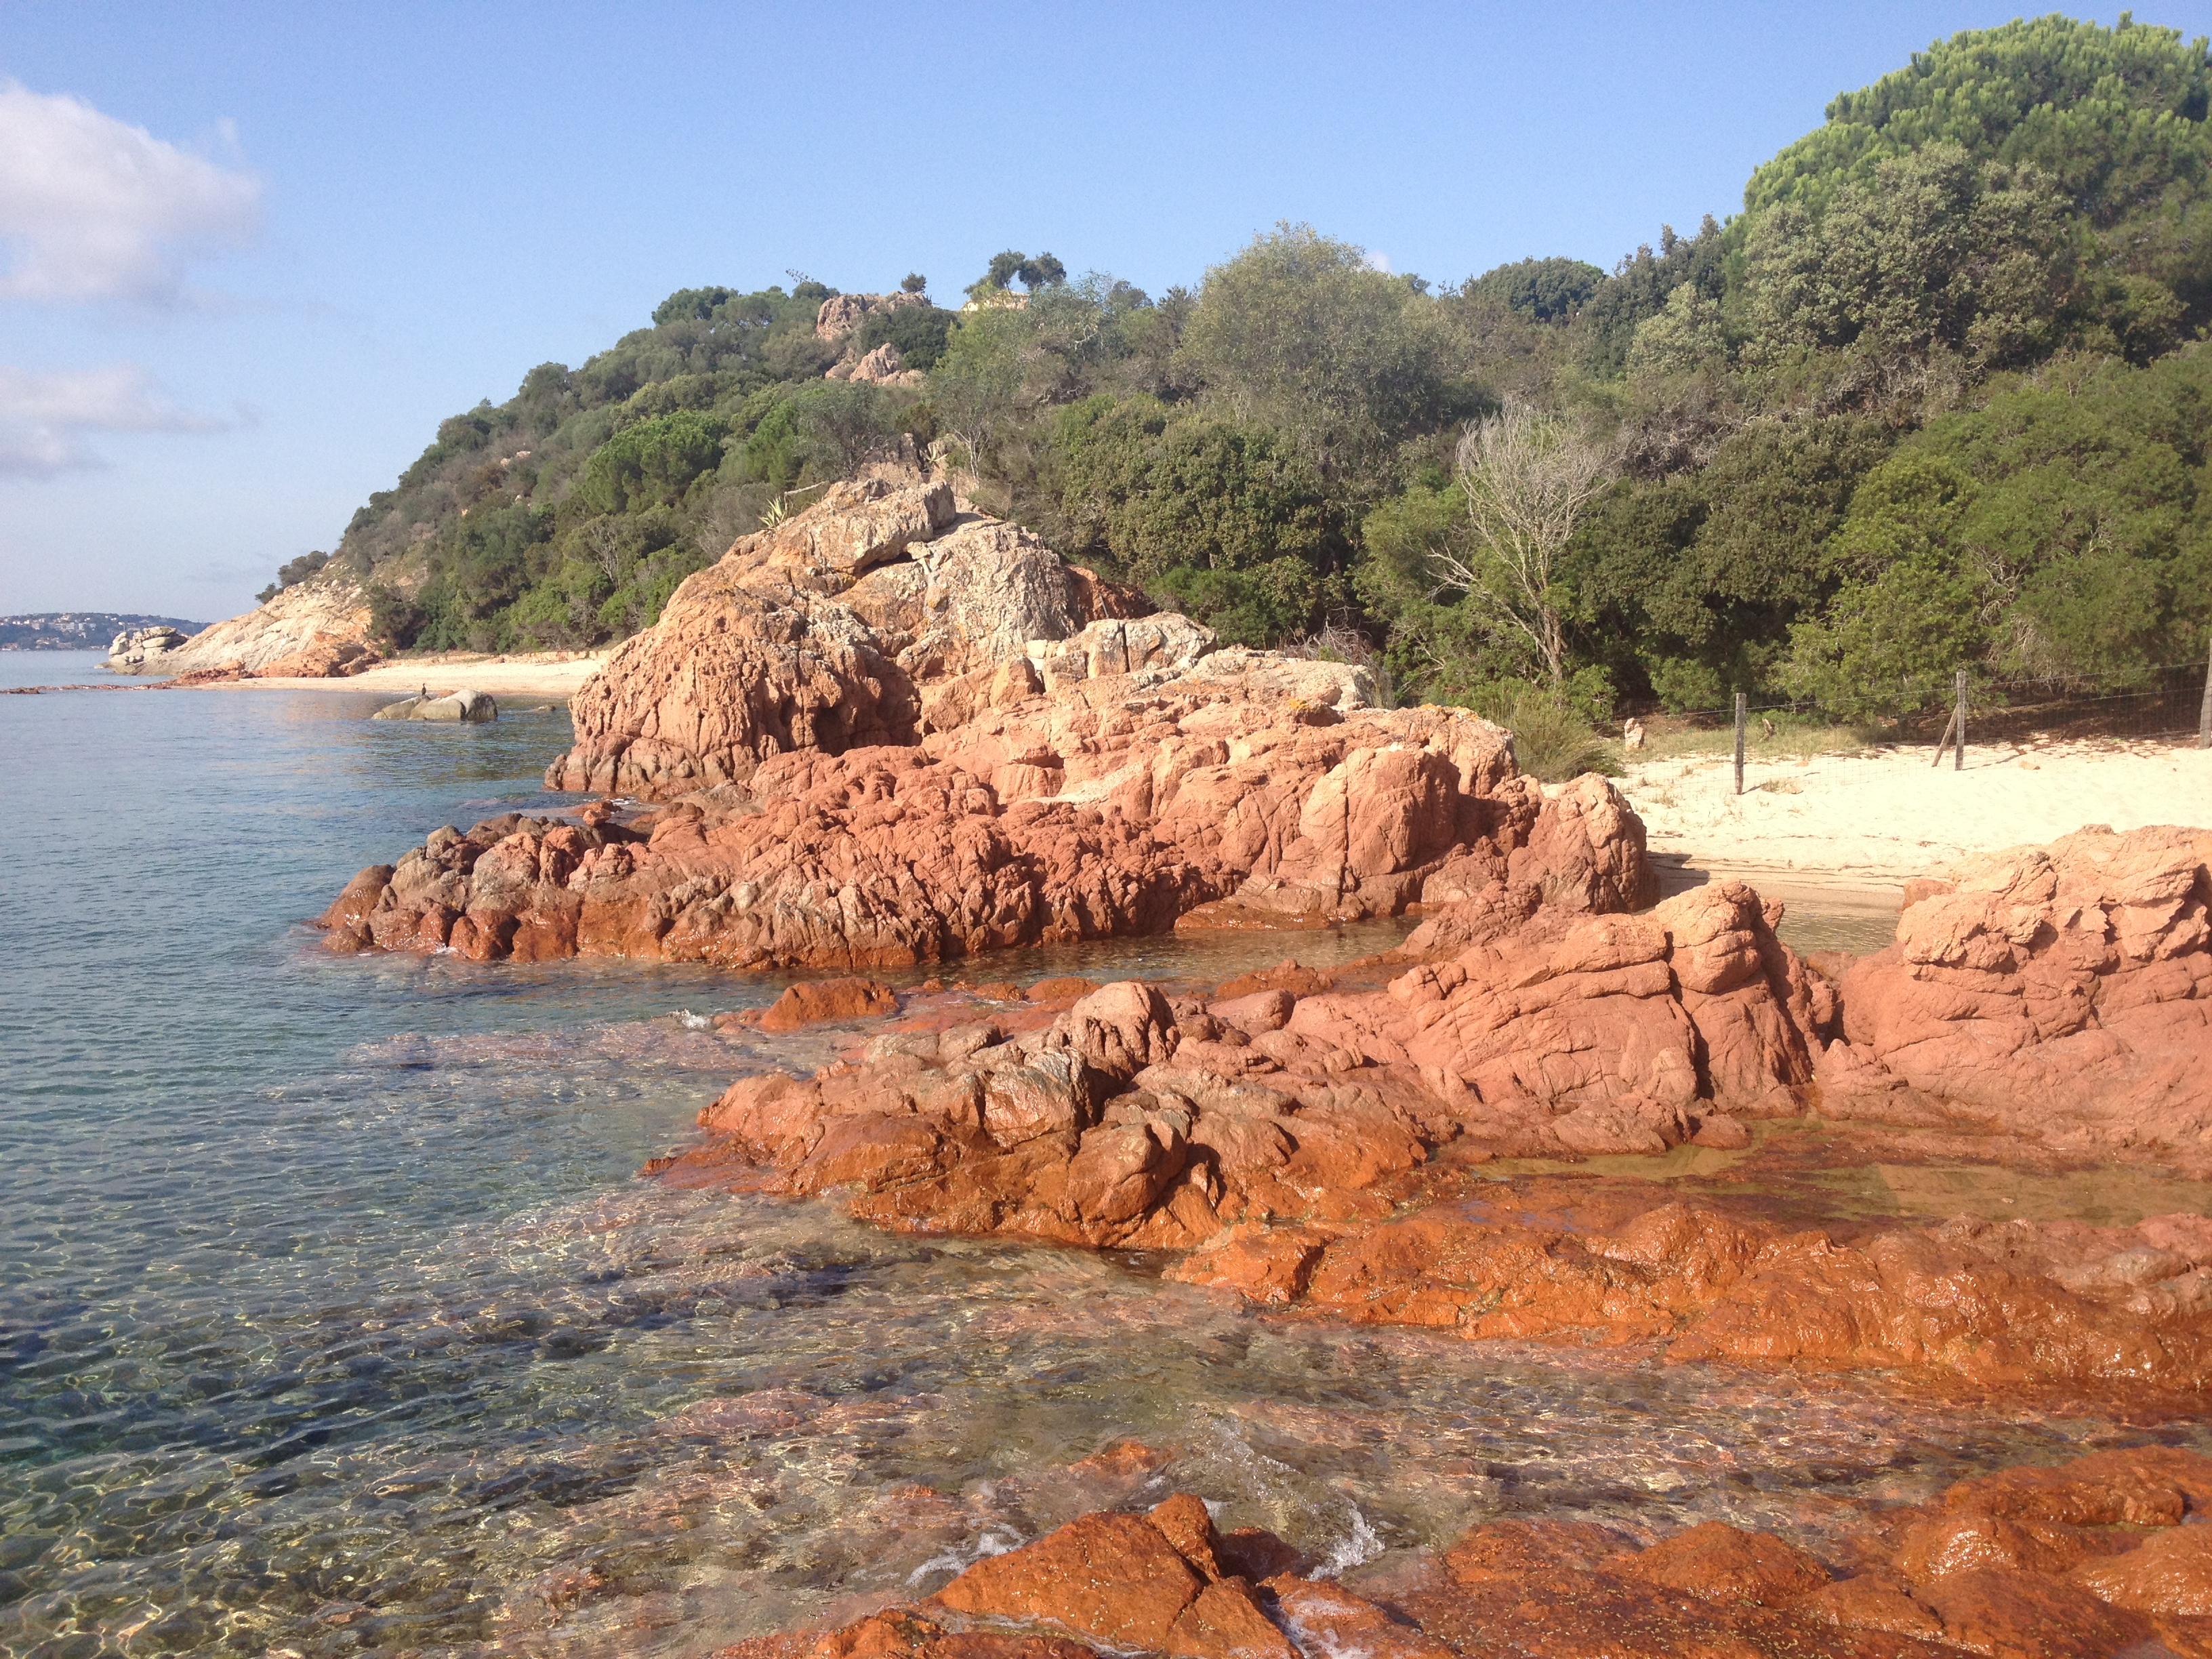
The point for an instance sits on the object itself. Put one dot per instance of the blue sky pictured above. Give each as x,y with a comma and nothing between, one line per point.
250,254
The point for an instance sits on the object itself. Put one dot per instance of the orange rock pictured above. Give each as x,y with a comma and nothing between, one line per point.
1225,1622
2064,994
1325,1617
1113,1578
2141,1487
2170,1572
813,1001
836,719
901,1634
1967,1542
1269,1266
1286,975
2001,1612
1720,1563
1871,1602
1516,1552
1183,1522
1062,987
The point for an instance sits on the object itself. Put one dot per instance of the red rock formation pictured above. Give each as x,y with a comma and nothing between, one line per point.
1522,1588
325,657
901,732
819,634
1107,811
2062,993
815,1001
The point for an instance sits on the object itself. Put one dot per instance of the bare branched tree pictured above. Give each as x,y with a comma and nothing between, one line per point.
1527,478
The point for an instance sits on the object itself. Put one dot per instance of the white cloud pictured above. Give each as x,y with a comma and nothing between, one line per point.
1379,262
91,209
44,417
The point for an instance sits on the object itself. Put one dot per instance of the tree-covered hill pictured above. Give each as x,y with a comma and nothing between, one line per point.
1933,398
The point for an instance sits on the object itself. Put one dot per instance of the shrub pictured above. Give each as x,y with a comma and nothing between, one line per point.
918,331
1553,739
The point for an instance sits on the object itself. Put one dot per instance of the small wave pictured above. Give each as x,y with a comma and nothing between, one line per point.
994,1540
1362,1545
691,1022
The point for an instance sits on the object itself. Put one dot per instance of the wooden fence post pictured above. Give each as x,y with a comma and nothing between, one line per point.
1739,742
2204,714
1959,755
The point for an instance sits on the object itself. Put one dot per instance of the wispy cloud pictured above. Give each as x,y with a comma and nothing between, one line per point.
44,418
92,208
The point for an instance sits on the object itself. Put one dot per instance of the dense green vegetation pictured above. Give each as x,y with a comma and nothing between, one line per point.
1934,398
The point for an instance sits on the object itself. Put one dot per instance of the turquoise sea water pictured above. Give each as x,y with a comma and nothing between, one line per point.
333,1321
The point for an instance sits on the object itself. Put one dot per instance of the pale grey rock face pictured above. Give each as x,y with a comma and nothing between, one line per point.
840,313
463,708
1340,686
142,649
855,526
1165,643
993,588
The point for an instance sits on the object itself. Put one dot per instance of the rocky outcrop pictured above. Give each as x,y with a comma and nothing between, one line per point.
825,633
1014,830
1130,1119
2096,1559
840,313
2062,995
143,650
882,367
467,707
904,732
316,629
1697,1285
1280,1132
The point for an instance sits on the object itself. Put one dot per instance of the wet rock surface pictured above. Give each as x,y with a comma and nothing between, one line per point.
2105,1562
1422,1153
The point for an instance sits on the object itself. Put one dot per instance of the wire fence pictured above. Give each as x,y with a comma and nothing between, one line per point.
2168,701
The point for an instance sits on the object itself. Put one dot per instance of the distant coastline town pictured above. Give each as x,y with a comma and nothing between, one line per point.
80,631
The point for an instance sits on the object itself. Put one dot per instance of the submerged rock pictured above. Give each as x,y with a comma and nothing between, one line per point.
469,707
1164,1581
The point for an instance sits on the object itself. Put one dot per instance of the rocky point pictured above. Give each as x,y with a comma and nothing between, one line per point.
2101,1558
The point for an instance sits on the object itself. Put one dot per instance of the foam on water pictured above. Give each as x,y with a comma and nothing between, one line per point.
332,1321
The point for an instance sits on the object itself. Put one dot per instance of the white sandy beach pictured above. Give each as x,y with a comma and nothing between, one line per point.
554,676
1862,825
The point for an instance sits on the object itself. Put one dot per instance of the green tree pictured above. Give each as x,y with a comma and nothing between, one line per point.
652,463
1224,517
1545,290
1933,253
1302,334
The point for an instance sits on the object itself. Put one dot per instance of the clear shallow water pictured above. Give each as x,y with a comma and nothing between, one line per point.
333,1321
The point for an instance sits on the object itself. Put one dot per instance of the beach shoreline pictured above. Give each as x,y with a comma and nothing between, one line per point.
1851,829
554,675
